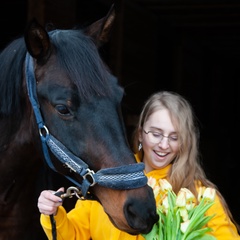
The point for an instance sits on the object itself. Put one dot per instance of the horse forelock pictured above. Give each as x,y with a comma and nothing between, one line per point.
79,57
11,74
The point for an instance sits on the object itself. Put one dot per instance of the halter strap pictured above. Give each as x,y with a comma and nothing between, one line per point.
123,177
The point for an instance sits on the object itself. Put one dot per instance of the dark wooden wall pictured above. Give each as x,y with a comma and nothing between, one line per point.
14,14
191,47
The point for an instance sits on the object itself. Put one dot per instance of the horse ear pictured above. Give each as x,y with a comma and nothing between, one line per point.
101,29
37,41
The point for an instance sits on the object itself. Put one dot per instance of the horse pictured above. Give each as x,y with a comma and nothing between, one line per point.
60,110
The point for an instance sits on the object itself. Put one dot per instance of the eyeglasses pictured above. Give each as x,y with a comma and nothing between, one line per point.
157,137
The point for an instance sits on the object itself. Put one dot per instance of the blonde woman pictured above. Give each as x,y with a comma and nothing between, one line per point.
166,140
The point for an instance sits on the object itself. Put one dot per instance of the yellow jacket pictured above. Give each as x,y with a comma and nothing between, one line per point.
89,221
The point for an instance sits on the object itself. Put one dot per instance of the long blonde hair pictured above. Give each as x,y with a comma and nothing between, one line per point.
186,168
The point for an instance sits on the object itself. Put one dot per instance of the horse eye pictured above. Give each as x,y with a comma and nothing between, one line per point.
62,109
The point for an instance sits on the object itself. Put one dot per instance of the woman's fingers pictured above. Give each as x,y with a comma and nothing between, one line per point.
48,202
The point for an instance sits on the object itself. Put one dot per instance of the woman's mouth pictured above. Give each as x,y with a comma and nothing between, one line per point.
161,154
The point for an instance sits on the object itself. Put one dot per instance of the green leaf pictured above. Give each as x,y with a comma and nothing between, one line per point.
153,235
198,220
199,234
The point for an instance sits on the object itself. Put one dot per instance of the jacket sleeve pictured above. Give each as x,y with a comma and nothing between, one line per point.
223,228
72,226
86,221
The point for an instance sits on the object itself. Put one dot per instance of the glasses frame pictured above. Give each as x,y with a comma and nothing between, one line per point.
162,136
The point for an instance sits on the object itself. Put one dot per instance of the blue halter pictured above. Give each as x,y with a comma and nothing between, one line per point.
123,177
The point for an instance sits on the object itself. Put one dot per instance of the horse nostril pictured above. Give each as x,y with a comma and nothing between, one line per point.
134,218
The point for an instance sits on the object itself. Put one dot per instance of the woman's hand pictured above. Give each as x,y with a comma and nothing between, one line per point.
48,203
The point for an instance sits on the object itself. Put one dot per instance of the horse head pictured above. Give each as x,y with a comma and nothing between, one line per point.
78,112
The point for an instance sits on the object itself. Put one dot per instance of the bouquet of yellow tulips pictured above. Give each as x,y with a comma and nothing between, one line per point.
180,217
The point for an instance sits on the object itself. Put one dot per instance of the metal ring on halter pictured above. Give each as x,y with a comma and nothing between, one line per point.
90,173
41,131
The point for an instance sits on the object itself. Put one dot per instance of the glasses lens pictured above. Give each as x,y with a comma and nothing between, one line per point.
154,137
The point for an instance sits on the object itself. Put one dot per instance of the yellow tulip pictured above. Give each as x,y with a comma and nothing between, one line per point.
181,198
152,182
209,194
190,199
200,193
184,226
184,214
165,185
165,204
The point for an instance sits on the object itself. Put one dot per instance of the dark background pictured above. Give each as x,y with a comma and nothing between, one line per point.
191,47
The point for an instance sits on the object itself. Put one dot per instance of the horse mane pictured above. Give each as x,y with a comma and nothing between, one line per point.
11,75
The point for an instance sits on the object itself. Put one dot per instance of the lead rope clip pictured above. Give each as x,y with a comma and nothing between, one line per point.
71,191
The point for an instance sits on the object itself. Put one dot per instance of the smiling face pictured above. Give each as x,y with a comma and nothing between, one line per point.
161,144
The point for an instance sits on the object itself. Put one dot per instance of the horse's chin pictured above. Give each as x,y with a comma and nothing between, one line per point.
123,227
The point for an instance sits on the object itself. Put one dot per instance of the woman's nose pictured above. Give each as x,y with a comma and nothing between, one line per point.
164,143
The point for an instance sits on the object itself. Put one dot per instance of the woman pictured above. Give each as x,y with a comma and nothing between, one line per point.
166,140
